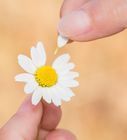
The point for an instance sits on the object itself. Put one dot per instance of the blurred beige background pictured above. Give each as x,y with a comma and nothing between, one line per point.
99,110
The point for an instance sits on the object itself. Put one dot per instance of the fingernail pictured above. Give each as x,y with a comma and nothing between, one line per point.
75,23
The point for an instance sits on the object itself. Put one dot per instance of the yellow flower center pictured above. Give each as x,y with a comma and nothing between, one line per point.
46,76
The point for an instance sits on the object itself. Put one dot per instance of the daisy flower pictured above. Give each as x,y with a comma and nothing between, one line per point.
50,83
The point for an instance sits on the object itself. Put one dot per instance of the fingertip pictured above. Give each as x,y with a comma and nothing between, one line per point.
74,23
97,19
51,117
28,107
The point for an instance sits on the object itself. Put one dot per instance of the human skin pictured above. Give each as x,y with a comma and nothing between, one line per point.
81,20
84,20
35,122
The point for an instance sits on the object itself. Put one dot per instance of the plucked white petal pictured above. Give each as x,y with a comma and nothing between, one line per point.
41,52
61,41
36,97
63,59
26,63
24,77
30,87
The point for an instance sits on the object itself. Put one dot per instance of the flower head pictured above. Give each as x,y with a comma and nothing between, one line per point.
52,83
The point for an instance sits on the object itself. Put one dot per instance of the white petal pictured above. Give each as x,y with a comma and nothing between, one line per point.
65,68
56,101
46,94
26,63
69,83
69,92
35,55
69,66
41,51
37,95
61,41
71,75
24,77
68,76
63,59
64,93
30,87
73,83
55,96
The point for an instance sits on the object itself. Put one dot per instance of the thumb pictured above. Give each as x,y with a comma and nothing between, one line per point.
24,124
92,19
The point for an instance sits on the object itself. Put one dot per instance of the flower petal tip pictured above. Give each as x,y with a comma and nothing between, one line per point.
34,103
15,78
77,83
67,55
57,105
39,43
62,41
20,55
77,74
73,95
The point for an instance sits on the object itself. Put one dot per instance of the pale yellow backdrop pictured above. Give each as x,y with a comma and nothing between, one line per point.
99,109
